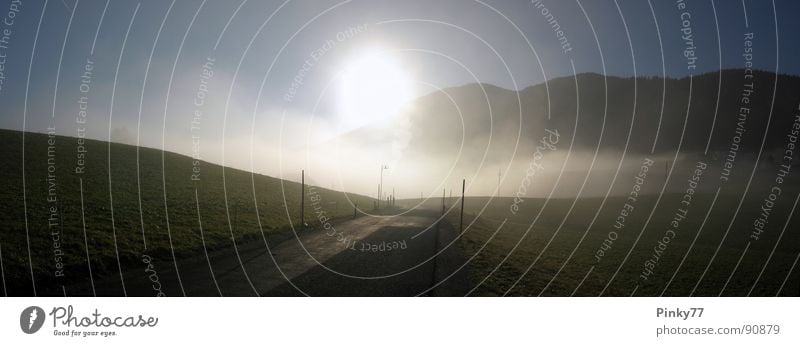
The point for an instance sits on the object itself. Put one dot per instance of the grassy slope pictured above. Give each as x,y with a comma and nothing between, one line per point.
488,255
175,203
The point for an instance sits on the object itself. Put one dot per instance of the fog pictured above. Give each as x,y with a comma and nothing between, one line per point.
535,142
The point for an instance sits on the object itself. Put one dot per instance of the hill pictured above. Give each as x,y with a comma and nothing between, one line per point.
582,104
67,216
478,130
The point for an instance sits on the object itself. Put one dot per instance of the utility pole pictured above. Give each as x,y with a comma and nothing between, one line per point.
461,225
499,178
380,186
302,198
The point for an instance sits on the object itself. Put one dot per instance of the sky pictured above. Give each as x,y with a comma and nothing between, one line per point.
266,70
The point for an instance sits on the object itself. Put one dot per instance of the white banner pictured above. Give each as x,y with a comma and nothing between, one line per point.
400,321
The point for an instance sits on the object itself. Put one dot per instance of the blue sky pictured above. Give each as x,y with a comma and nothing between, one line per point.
263,45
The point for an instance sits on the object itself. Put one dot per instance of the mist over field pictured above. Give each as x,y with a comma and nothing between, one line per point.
605,129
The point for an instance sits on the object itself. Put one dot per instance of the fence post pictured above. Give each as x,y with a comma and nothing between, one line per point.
443,208
302,198
463,184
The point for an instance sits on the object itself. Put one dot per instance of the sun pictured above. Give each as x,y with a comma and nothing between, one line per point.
373,88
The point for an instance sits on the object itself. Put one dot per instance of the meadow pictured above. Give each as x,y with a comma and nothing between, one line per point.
565,256
67,217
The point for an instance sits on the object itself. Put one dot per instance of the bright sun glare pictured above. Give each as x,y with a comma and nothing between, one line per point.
373,88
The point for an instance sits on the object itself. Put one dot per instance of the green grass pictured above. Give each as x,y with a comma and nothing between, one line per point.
245,191
172,198
489,255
